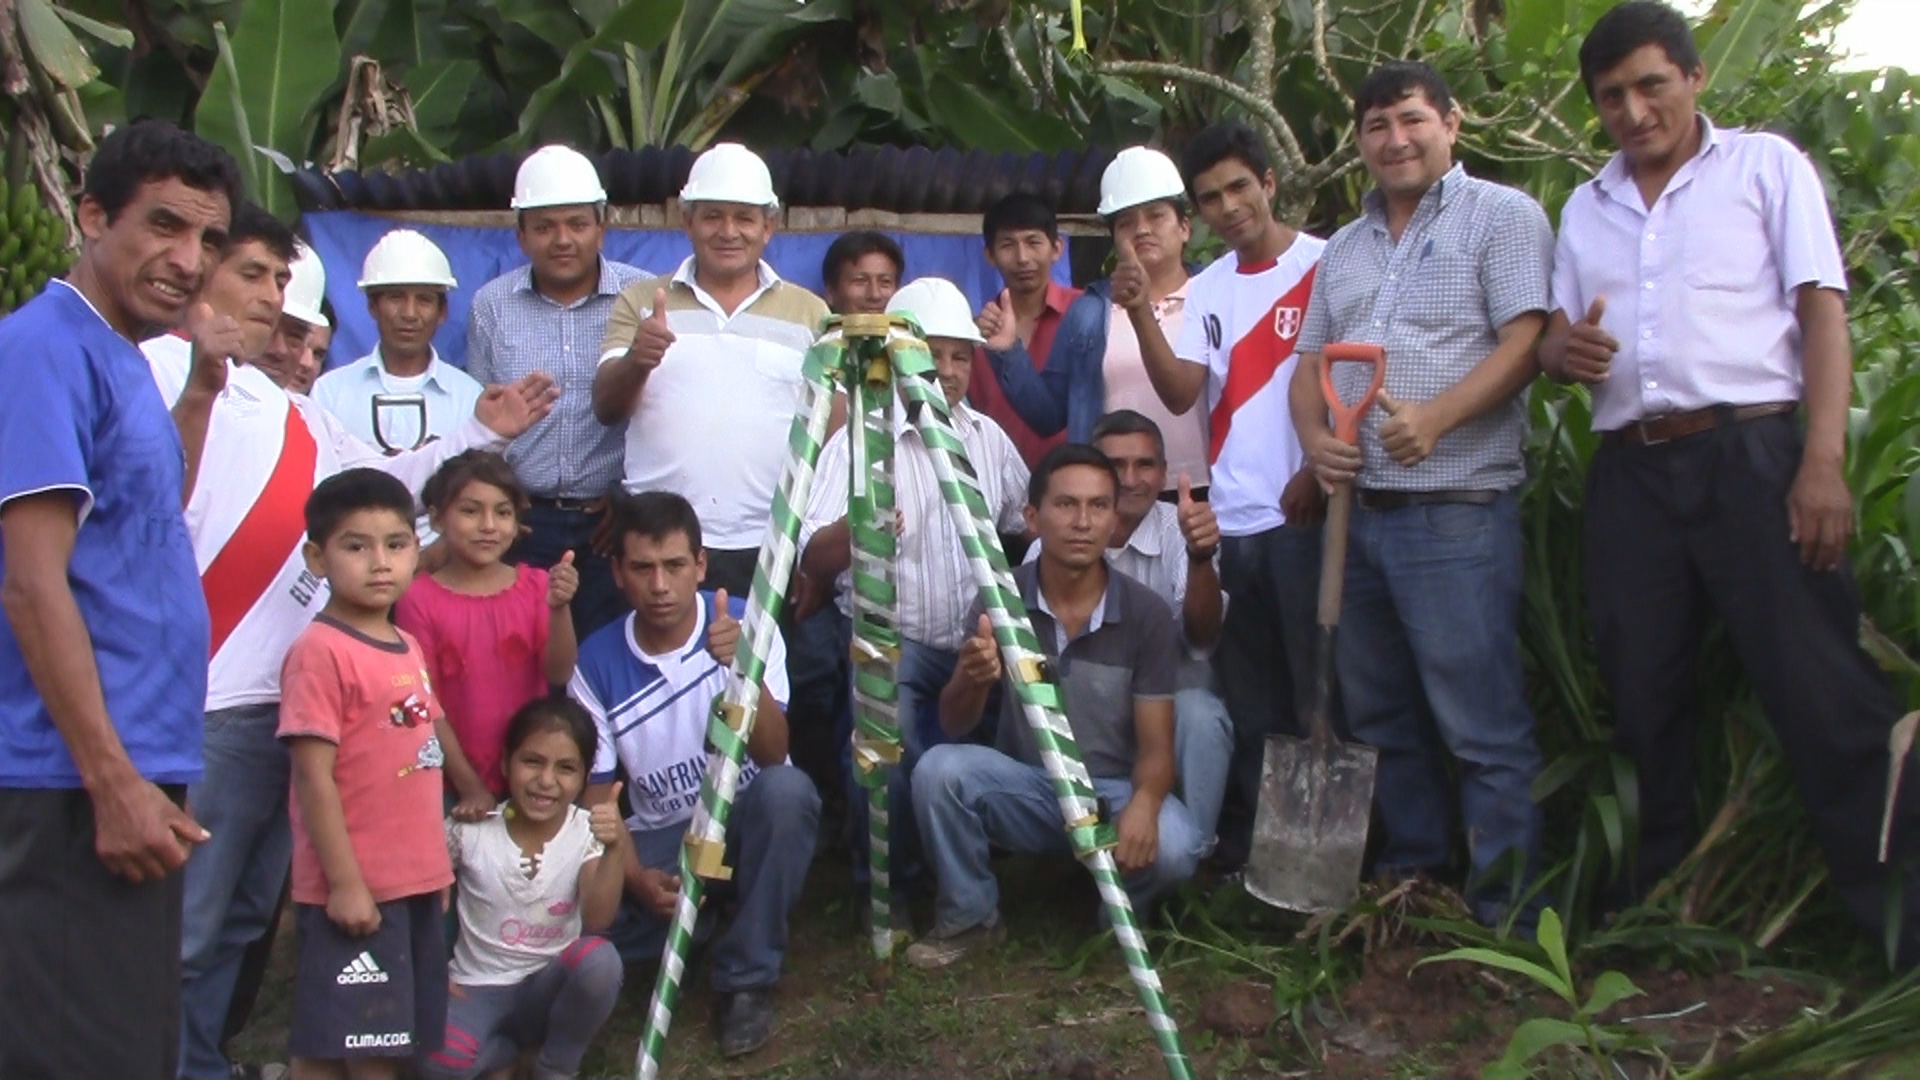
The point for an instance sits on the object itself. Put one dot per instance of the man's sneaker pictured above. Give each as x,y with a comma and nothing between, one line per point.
937,950
745,1021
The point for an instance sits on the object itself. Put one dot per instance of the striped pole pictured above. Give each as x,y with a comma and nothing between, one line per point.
1024,661
731,723
876,636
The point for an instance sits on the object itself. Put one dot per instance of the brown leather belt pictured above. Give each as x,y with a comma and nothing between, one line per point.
1667,427
1383,499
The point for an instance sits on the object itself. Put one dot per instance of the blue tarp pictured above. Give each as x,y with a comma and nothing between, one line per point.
343,238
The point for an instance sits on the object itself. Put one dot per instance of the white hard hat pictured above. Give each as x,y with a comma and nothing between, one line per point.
405,257
306,288
1138,174
729,172
556,176
939,307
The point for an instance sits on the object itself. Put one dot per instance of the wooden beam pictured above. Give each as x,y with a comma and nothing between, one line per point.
804,219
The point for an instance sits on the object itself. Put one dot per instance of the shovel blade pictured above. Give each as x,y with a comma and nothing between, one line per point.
1310,829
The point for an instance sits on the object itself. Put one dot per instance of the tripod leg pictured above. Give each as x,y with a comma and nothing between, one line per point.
731,723
1039,697
876,636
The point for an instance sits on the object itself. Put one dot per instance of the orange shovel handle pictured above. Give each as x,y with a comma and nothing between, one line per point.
1346,418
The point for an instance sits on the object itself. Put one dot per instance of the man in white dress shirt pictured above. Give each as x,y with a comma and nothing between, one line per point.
934,580
1700,292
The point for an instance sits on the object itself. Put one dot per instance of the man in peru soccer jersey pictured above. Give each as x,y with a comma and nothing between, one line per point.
1237,345
253,455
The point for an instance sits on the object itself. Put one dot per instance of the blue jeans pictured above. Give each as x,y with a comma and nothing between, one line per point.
1264,659
770,837
970,797
1203,749
233,881
556,532
1429,662
817,704
922,674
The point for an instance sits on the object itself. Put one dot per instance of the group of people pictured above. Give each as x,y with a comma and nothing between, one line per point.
237,662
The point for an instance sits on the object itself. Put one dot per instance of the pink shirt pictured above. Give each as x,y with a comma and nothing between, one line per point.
1700,285
487,656
1124,374
373,700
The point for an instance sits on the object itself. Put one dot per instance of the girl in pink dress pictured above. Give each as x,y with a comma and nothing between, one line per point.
495,635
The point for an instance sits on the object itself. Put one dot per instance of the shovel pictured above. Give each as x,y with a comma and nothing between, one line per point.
1316,793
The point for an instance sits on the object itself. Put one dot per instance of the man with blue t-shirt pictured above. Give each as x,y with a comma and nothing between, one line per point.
103,652
649,681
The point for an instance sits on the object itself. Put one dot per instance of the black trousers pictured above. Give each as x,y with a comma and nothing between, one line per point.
1680,530
89,962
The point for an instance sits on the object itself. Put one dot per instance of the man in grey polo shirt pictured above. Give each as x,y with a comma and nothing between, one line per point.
1450,274
1112,646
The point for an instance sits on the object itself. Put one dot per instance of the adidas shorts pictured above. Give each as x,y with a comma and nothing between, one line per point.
384,995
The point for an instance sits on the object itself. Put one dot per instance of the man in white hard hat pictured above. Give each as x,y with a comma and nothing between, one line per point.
551,315
296,353
253,454
935,581
402,394
702,367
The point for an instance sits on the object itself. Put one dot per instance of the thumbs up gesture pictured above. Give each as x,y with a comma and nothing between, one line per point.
216,338
604,820
723,632
1129,277
563,580
997,323
980,655
1590,348
1411,430
651,340
1197,523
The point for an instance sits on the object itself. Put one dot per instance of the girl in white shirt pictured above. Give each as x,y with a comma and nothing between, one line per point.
532,877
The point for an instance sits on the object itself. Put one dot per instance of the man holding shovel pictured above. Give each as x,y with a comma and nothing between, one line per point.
1449,273
1699,290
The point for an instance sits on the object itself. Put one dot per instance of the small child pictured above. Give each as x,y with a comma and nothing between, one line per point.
370,867
496,636
532,877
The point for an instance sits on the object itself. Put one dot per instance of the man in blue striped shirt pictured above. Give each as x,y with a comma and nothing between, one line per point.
550,316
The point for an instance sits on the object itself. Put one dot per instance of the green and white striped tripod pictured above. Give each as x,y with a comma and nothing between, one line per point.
878,359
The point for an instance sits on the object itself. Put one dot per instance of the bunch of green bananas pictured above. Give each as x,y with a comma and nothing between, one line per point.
33,245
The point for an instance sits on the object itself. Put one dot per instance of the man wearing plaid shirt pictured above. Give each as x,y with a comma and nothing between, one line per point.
1450,275
549,316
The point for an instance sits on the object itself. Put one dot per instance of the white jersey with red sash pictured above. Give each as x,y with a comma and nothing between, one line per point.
266,450
1241,322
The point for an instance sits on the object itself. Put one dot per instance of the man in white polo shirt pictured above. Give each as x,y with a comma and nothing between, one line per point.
649,681
253,454
703,366
402,394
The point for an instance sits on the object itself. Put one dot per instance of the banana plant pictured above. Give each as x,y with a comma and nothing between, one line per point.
267,94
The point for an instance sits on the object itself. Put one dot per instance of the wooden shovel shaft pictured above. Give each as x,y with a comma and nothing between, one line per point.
1333,573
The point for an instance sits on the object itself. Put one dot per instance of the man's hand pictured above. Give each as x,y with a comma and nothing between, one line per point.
1334,460
604,821
1129,281
652,339
1139,833
1198,525
723,633
1820,514
509,410
1410,432
139,833
562,581
474,805
1303,500
980,655
1589,354
997,323
351,908
216,339
659,891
